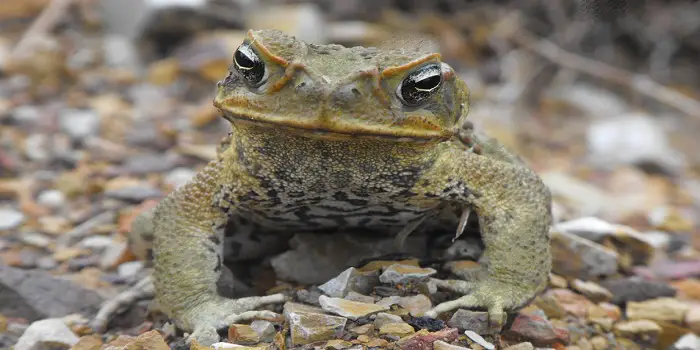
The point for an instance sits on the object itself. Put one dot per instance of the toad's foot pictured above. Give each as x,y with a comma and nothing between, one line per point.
496,297
205,319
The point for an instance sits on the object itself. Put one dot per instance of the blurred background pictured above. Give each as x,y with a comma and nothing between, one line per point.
105,106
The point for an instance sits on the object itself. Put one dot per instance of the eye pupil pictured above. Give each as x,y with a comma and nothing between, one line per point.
420,85
249,65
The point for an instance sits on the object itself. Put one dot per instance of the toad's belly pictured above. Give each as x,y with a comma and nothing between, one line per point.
337,211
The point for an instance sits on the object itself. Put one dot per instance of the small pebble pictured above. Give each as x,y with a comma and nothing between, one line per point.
53,199
10,218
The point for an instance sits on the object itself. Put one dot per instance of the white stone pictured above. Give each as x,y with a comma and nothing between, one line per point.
52,330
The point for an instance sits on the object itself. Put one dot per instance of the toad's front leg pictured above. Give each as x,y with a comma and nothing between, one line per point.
514,210
188,260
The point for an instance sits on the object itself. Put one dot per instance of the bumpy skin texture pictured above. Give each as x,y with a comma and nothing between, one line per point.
325,140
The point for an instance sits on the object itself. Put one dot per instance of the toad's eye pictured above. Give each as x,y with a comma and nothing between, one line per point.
420,85
251,67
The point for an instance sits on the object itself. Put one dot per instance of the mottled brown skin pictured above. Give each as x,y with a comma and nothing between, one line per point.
325,139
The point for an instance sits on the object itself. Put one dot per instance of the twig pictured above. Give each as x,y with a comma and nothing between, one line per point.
41,25
637,82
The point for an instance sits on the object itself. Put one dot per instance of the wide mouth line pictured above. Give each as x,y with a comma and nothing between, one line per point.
331,132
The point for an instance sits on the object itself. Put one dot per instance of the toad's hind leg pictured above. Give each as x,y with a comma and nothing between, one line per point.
188,249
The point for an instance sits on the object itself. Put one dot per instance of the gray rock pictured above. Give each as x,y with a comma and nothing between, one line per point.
134,194
179,177
129,269
149,163
353,296
266,330
350,280
314,259
27,115
79,123
589,227
120,52
46,263
36,294
398,273
383,318
477,321
636,289
577,257
112,254
46,333
632,139
10,218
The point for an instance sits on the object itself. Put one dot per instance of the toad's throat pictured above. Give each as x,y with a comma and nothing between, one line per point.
344,132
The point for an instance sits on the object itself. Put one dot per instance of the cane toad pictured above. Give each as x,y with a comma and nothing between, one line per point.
329,137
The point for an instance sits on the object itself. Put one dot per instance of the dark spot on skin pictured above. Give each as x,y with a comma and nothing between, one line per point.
148,237
149,254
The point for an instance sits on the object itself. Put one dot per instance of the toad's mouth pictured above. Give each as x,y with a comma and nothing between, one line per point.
337,131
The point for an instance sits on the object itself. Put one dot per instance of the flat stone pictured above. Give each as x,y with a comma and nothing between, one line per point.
574,304
576,257
88,342
35,295
441,345
687,342
592,290
350,280
388,301
416,305
638,329
309,327
383,318
521,346
588,227
134,194
636,289
479,340
477,321
398,273
424,339
347,308
46,332
243,334
397,329
291,306
660,309
353,296
537,330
